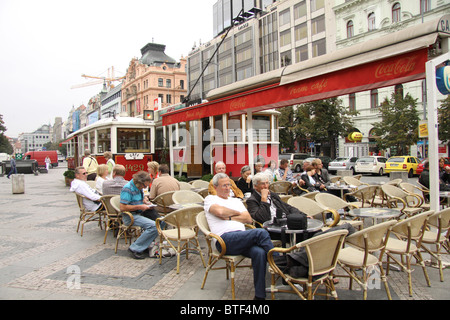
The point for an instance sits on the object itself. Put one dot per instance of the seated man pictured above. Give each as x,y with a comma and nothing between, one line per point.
234,192
118,181
79,185
286,172
263,204
226,217
321,174
132,200
424,178
164,183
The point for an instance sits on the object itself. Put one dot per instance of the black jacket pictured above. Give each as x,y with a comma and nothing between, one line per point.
260,211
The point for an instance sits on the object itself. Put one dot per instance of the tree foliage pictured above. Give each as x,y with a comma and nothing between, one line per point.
5,146
286,124
398,128
324,121
444,121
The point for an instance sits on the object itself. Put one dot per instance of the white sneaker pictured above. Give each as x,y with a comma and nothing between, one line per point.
154,251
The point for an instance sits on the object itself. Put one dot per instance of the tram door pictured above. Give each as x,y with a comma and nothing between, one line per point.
206,163
194,163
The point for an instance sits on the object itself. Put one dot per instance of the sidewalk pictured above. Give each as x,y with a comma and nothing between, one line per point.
43,258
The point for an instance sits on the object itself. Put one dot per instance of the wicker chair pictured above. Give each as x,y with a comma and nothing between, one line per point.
313,209
413,189
231,262
440,221
185,185
335,179
203,192
125,231
163,201
330,201
353,182
410,203
183,234
281,187
186,196
200,184
322,252
88,216
112,215
365,195
359,255
409,233
395,182
310,195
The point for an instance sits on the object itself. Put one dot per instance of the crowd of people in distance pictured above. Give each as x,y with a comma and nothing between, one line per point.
224,206
444,175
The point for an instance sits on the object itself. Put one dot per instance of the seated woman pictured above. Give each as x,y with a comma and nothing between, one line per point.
310,183
102,175
245,181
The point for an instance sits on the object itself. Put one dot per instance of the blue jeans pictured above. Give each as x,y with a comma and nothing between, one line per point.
147,237
12,171
254,244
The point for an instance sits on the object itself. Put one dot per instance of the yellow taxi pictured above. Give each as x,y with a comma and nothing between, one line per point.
402,163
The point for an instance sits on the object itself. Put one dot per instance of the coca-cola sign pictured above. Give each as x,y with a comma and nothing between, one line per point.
396,68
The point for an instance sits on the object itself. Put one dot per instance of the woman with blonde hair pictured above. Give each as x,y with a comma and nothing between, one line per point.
153,170
110,162
102,173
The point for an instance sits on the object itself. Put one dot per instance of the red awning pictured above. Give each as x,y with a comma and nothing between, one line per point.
386,72
65,141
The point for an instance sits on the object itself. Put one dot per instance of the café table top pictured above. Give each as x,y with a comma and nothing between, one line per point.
313,225
377,213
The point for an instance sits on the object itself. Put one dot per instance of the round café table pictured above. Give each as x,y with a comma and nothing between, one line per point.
313,226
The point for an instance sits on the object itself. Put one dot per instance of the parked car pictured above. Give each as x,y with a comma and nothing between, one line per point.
345,163
371,164
420,166
325,160
295,160
402,163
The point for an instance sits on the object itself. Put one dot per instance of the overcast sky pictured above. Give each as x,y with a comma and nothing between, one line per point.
47,45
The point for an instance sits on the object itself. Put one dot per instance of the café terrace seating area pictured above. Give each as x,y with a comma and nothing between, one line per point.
394,225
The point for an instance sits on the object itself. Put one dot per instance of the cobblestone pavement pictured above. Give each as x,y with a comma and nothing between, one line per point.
43,257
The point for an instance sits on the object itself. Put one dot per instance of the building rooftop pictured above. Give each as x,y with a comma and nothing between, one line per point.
153,55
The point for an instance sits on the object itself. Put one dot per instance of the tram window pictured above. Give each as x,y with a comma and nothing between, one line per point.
92,141
104,140
218,128
133,140
234,129
261,128
159,138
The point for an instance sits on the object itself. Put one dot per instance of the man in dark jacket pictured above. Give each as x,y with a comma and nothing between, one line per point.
424,178
263,204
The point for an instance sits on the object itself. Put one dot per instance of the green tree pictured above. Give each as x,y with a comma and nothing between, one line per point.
398,128
286,124
323,122
5,146
444,121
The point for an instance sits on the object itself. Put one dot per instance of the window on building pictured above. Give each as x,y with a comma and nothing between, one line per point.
350,29
399,89
396,13
301,32
352,102
161,96
301,53
318,25
374,98
300,10
168,98
160,82
286,58
319,48
182,84
371,21
425,6
285,38
285,17
317,4
168,83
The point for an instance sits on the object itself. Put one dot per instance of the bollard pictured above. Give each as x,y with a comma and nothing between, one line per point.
18,183
399,175
344,173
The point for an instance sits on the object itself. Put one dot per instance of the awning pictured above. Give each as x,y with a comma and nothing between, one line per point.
399,57
386,72
66,141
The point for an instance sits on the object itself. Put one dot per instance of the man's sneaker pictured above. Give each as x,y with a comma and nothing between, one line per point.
136,255
154,251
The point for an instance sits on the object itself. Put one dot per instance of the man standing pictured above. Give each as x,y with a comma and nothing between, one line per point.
118,181
90,164
234,191
226,217
132,200
13,169
79,185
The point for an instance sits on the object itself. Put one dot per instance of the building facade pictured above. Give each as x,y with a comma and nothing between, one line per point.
362,20
153,81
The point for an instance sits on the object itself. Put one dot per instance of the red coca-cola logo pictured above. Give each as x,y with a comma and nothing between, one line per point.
396,68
